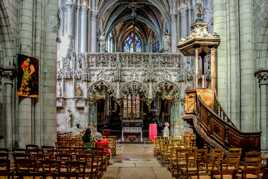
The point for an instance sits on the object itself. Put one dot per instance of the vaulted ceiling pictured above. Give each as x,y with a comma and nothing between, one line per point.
149,19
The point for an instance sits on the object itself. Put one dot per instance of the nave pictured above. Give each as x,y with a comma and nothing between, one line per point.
136,161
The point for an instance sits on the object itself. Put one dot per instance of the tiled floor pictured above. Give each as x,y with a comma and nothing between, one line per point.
136,161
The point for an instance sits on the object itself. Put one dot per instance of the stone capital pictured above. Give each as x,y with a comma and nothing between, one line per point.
262,76
94,13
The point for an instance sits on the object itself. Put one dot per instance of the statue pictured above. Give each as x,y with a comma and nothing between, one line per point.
70,119
166,43
199,11
102,43
78,91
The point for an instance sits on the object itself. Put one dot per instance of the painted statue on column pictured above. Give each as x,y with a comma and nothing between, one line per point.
27,76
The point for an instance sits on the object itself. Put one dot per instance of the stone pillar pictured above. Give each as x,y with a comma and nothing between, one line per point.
189,16
93,114
262,77
213,69
93,30
173,34
70,17
24,124
9,113
184,22
247,65
89,30
178,28
83,27
263,117
77,27
196,67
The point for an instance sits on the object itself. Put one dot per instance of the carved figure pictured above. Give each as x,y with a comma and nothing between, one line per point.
166,42
70,119
78,91
199,11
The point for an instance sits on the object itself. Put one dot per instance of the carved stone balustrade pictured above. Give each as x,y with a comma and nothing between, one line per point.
86,66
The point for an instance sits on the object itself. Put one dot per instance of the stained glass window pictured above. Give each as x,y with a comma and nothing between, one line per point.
132,43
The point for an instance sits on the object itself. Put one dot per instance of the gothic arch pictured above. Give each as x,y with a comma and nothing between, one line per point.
5,38
108,6
133,87
261,20
167,90
100,89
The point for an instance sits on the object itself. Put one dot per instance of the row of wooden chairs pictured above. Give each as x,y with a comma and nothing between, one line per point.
189,161
56,162
68,140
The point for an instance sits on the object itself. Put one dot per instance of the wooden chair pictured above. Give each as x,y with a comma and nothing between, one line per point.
25,167
252,165
157,147
19,150
63,157
75,169
215,162
100,159
112,144
4,153
265,173
92,167
36,154
179,163
18,156
48,152
5,167
32,147
230,165
50,168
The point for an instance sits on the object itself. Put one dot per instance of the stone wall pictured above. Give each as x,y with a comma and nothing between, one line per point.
32,31
242,26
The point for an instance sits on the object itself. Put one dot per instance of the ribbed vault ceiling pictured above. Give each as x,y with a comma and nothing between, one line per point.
147,18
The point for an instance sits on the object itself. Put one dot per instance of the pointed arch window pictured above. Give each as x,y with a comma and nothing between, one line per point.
132,43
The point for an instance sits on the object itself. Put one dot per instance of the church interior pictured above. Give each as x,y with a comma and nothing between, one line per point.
122,89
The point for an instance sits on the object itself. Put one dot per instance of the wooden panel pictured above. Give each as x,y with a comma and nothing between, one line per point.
218,127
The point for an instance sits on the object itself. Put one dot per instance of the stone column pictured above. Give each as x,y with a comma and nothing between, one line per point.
183,22
247,66
9,113
262,77
83,27
263,116
93,30
213,69
89,30
196,67
24,122
70,17
189,16
178,28
173,34
77,27
93,113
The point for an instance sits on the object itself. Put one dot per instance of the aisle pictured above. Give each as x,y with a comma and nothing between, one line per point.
136,161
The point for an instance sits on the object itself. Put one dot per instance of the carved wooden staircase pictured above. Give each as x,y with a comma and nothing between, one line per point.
210,122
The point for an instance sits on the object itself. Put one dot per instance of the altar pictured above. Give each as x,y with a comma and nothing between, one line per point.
132,127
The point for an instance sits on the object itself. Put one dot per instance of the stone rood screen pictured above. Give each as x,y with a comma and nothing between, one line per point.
85,79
